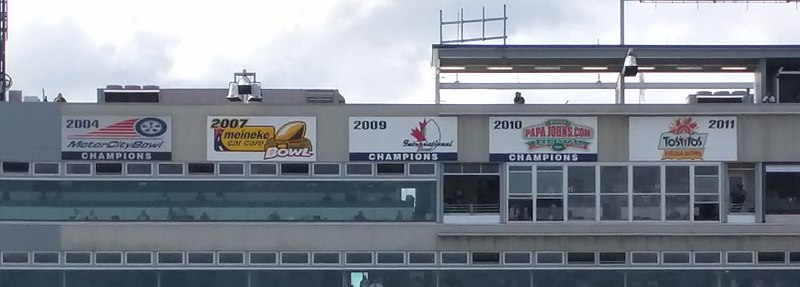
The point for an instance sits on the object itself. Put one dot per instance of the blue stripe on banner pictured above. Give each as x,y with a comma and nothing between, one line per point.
403,156
542,157
115,155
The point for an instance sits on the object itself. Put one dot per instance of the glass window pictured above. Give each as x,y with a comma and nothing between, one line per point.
79,168
520,183
472,194
520,209
581,179
326,168
771,257
294,169
263,258
108,168
549,193
15,167
677,179
263,168
139,258
614,179
646,179
326,258
359,169
45,168
485,257
391,168
170,258
707,257
613,207
201,168
581,207
421,257
517,258
677,207
78,257
10,257
549,258
104,278
140,169
580,257
782,192
454,258
614,193
740,257
200,258
45,258
391,258
220,200
644,257
612,257
359,258
646,207
231,257
294,258
108,258
421,168
676,257
170,168
231,169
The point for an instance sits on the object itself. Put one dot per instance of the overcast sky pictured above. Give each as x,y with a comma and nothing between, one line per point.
373,51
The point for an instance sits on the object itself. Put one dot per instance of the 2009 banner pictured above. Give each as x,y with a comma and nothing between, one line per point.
233,138
115,138
542,139
682,138
403,139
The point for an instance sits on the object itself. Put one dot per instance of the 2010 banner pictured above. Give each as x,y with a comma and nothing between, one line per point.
542,139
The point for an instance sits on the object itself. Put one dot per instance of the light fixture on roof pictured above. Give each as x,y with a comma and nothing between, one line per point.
630,67
243,88
591,68
734,68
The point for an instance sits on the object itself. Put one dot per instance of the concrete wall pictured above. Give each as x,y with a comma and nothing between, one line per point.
766,132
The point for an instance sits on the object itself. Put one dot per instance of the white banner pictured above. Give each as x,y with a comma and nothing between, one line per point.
116,138
682,138
403,139
232,138
542,139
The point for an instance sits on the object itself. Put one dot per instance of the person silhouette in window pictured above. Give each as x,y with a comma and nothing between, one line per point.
143,216
274,216
360,216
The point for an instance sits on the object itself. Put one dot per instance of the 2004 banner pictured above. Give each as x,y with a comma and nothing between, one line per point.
232,138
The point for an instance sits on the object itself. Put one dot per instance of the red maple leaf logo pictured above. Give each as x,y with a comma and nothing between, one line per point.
683,126
419,133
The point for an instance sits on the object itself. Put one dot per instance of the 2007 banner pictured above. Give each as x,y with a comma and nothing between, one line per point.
232,138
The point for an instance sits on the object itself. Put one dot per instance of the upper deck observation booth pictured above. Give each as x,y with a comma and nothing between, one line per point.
775,69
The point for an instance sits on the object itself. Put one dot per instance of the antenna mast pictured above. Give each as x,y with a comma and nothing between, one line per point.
5,80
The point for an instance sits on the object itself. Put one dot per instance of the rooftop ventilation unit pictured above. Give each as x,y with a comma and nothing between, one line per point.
706,97
131,94
243,88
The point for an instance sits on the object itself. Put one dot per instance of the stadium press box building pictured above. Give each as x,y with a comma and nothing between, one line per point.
178,187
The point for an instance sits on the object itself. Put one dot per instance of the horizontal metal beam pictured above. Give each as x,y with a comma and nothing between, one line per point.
594,86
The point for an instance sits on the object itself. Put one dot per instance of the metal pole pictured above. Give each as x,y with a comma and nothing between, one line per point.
622,22
483,23
505,19
3,38
461,24
441,24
